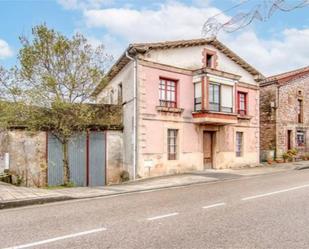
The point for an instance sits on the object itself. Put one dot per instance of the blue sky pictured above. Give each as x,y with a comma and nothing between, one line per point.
278,44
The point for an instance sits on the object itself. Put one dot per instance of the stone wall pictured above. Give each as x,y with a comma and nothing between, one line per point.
268,95
114,156
27,156
277,118
287,114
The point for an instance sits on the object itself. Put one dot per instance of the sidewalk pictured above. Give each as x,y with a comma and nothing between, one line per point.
13,196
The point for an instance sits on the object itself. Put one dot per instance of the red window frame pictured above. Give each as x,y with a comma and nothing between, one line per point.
243,111
168,92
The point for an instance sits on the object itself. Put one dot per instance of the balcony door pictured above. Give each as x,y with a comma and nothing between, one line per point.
208,145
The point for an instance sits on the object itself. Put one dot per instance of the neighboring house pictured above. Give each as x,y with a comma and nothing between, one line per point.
187,105
285,113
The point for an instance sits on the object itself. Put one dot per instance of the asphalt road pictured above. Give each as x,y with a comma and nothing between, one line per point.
270,211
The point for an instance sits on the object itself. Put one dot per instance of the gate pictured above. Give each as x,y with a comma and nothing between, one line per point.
96,159
86,154
55,161
77,159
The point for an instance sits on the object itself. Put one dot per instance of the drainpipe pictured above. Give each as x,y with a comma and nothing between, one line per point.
134,114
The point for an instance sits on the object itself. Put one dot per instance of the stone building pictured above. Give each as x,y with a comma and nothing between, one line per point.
284,113
187,105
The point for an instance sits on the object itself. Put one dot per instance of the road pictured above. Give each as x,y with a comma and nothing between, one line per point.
270,211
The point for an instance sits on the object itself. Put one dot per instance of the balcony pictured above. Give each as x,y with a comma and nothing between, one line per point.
212,117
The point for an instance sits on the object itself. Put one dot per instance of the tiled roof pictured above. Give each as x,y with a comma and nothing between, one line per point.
282,78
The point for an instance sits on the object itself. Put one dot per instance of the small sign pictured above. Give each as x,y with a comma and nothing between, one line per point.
148,163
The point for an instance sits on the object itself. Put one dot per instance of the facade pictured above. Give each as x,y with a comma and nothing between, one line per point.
285,113
187,105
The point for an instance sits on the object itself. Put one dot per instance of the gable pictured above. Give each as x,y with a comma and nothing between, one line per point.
192,58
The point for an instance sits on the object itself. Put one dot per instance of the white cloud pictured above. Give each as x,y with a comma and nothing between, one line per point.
273,55
5,50
83,4
172,20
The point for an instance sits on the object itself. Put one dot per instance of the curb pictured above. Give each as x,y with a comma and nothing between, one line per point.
302,167
27,202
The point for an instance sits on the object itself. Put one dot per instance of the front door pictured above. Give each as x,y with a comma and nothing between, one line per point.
208,149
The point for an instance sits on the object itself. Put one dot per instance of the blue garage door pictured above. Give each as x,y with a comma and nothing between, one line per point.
96,158
86,159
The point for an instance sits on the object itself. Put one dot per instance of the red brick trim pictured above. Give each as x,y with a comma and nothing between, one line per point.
215,58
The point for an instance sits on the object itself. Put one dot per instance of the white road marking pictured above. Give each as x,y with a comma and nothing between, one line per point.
215,205
162,216
58,238
275,192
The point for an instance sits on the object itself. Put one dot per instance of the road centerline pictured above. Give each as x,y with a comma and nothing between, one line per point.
162,216
215,205
274,192
57,238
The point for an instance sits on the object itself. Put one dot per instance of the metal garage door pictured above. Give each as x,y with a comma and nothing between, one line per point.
55,161
96,158
77,159
84,156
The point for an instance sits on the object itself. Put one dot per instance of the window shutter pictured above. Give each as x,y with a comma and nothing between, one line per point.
227,96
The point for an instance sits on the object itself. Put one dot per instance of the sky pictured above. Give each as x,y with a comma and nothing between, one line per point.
277,44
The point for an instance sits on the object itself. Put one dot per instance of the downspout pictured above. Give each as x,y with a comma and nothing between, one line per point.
134,114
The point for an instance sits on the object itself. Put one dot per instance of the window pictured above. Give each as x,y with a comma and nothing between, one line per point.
120,94
289,138
239,144
209,60
172,144
300,137
167,93
242,103
197,96
214,97
220,98
300,111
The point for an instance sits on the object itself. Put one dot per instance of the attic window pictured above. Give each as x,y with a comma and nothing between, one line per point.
209,58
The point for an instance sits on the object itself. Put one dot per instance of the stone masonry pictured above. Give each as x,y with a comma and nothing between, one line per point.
279,113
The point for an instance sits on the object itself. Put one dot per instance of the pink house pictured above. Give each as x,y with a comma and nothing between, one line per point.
187,105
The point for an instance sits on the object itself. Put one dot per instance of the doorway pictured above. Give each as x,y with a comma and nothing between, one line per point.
208,144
